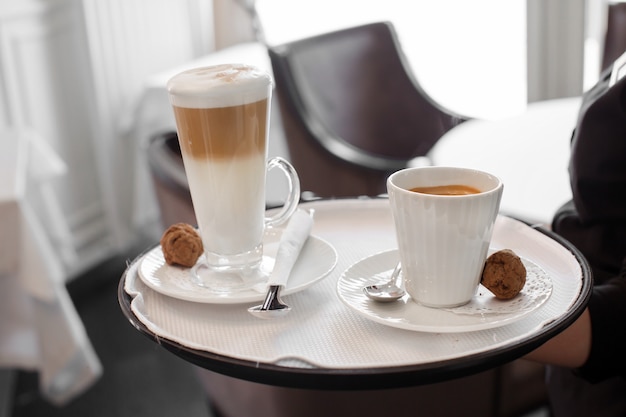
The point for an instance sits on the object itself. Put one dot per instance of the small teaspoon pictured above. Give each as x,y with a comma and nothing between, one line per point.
388,291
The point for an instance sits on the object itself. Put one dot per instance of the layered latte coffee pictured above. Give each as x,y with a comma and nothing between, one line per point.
222,117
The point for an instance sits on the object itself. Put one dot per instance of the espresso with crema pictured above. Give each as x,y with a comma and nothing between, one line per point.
221,116
451,189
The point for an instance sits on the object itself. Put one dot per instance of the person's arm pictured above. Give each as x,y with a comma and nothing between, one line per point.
570,348
595,343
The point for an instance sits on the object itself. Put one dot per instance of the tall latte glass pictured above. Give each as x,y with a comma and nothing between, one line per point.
222,118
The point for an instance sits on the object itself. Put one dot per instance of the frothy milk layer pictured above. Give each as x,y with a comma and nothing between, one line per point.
219,86
231,205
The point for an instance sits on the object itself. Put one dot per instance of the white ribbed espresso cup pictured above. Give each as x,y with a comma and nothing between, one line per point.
443,239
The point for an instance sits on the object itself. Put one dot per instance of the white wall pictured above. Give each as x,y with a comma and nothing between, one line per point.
128,40
70,70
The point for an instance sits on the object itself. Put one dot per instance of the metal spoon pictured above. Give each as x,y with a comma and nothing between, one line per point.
387,292
272,306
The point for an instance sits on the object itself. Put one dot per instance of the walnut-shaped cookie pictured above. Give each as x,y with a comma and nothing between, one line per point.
504,274
181,245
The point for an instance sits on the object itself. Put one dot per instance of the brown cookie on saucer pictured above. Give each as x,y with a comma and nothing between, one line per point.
181,245
504,274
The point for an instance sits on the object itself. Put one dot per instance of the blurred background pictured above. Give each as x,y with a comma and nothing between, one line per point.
88,77
77,71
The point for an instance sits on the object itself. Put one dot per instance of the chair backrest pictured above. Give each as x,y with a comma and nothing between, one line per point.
352,110
170,182
615,36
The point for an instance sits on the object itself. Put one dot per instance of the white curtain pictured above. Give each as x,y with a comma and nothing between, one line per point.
235,22
129,41
556,30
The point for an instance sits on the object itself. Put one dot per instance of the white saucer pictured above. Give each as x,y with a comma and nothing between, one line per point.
483,312
317,259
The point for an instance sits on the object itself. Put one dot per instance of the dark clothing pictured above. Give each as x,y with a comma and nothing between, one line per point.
572,396
595,222
607,309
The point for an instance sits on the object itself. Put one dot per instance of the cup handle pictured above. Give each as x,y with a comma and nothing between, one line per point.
293,197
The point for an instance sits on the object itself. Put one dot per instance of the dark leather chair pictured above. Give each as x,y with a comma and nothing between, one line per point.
615,36
170,182
352,110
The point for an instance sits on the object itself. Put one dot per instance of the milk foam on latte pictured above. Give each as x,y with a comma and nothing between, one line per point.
219,86
222,121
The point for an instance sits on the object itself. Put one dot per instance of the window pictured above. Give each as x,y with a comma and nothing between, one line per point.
469,56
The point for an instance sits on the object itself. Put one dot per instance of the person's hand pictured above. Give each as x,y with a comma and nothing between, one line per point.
570,348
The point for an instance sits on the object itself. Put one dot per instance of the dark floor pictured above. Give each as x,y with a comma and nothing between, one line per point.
140,378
